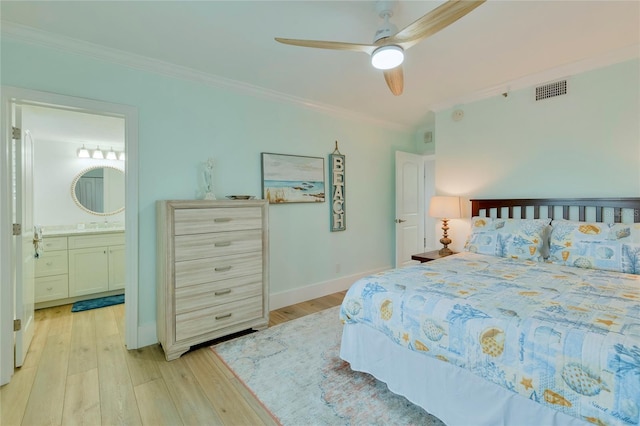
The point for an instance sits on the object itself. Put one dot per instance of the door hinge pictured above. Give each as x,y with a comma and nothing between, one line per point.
17,324
16,133
17,229
424,243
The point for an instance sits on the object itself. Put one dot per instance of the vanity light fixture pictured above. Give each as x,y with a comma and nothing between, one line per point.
83,152
121,156
111,155
97,154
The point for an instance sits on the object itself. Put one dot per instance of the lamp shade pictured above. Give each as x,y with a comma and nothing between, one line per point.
111,155
97,154
444,207
83,152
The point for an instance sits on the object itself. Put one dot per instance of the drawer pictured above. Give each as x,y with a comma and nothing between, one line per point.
52,263
51,288
189,247
200,221
191,272
201,296
96,240
54,243
214,318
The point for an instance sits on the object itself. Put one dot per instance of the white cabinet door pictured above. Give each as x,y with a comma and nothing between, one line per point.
116,267
88,271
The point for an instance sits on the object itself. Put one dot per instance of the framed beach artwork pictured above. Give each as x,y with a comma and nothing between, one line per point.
292,178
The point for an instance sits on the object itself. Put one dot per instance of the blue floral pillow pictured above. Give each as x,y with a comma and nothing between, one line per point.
515,238
612,247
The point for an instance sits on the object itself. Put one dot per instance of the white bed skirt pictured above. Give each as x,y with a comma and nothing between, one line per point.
455,396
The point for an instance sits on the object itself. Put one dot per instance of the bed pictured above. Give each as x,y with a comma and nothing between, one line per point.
537,322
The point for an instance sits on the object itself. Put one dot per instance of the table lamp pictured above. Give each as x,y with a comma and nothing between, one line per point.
445,208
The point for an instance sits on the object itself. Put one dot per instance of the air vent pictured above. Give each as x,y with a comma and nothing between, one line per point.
550,90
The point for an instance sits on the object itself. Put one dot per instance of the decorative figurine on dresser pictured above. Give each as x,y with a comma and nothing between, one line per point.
213,277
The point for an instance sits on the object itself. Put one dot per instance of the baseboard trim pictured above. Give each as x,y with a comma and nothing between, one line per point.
302,294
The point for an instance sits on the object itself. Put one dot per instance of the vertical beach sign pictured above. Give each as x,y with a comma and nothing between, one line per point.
337,185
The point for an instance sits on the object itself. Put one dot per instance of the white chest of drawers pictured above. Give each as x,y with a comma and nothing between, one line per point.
212,270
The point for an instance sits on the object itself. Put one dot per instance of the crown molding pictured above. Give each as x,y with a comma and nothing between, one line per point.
606,59
36,36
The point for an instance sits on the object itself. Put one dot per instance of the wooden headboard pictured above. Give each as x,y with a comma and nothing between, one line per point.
602,206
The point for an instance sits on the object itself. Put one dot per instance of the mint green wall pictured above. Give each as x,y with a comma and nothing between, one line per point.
181,123
583,144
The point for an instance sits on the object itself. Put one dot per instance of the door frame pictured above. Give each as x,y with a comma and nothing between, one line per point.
430,223
130,114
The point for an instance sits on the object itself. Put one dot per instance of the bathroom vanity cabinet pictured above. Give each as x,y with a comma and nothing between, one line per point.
52,270
73,267
96,263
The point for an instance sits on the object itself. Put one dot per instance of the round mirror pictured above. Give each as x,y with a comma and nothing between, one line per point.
99,190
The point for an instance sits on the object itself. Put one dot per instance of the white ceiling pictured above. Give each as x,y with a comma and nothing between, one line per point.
494,47
60,125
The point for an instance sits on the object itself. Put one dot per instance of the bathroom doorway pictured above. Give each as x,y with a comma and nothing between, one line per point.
56,124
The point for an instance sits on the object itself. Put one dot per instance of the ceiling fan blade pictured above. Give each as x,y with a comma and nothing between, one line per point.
432,22
334,45
395,80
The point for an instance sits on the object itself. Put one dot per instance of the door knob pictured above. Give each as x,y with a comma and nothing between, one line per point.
400,220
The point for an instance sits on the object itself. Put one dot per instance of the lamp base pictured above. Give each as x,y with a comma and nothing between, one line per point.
445,240
445,251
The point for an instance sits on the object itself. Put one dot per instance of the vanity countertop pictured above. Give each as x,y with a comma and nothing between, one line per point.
61,231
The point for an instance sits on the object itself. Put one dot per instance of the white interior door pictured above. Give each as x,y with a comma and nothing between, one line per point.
410,207
25,243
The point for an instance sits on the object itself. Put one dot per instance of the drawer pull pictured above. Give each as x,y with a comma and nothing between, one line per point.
223,244
49,263
219,317
222,292
49,288
222,219
222,268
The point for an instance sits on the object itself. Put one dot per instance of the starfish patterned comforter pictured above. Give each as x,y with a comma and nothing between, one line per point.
562,336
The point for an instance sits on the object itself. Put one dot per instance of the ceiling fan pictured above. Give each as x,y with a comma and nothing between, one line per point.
389,44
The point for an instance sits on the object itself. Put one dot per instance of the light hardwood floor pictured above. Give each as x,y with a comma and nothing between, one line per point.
78,371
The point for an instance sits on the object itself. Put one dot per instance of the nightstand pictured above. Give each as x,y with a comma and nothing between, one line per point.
428,256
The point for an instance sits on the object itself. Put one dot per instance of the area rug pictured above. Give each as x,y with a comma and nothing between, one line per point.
295,370
100,302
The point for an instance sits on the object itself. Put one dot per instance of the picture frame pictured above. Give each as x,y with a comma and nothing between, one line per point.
292,178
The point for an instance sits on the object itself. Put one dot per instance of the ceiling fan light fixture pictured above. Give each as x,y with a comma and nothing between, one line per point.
387,57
